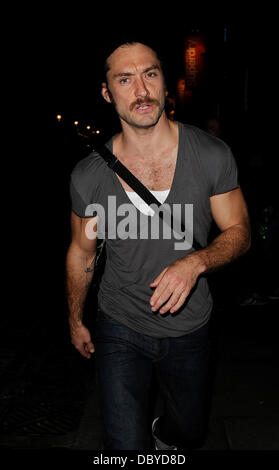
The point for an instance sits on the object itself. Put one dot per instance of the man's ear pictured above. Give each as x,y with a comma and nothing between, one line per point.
106,92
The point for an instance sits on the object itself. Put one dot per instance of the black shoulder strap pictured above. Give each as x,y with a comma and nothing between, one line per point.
138,187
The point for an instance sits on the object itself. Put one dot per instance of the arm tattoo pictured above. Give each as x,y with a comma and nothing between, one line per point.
89,270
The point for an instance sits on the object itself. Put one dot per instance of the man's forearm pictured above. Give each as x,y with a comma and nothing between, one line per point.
79,273
225,248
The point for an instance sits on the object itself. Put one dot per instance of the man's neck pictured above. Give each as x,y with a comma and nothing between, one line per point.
147,142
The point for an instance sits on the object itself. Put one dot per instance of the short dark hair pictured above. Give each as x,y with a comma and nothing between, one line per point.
111,46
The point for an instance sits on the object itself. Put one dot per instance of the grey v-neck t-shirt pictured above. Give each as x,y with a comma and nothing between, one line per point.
136,253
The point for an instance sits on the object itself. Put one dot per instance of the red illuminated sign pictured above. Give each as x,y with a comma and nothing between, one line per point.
194,60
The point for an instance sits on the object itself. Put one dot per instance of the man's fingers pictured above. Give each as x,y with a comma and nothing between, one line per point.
172,286
158,278
89,347
81,339
85,349
161,295
168,285
181,299
81,349
174,298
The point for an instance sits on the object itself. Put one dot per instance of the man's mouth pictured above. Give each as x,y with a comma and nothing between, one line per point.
144,107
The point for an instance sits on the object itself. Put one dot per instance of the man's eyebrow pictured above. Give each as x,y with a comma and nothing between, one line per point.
122,74
129,74
152,67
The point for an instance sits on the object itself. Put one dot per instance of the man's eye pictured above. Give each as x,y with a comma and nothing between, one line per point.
152,74
124,80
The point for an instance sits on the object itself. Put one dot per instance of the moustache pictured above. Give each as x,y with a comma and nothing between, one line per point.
139,101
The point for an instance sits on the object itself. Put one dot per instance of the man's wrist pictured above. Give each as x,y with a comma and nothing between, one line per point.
199,262
75,322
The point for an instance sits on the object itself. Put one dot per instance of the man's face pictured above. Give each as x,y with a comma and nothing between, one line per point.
135,85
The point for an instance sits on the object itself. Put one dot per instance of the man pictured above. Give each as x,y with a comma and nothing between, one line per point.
154,301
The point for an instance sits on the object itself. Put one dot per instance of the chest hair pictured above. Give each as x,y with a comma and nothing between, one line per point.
156,176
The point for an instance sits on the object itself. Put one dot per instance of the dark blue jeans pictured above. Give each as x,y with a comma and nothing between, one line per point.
125,361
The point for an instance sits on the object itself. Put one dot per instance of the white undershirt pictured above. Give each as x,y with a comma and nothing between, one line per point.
141,205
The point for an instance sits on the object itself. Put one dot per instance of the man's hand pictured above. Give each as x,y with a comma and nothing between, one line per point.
175,283
81,339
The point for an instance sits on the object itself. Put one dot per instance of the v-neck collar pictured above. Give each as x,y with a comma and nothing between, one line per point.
176,171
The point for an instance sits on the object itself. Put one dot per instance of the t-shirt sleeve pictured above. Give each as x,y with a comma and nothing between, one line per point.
82,188
224,172
77,202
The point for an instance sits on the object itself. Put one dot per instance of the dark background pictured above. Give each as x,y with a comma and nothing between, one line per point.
238,86
54,67
60,63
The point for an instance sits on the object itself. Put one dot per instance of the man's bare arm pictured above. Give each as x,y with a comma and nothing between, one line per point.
229,210
80,260
176,281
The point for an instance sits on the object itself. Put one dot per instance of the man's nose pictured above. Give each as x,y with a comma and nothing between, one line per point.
141,88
